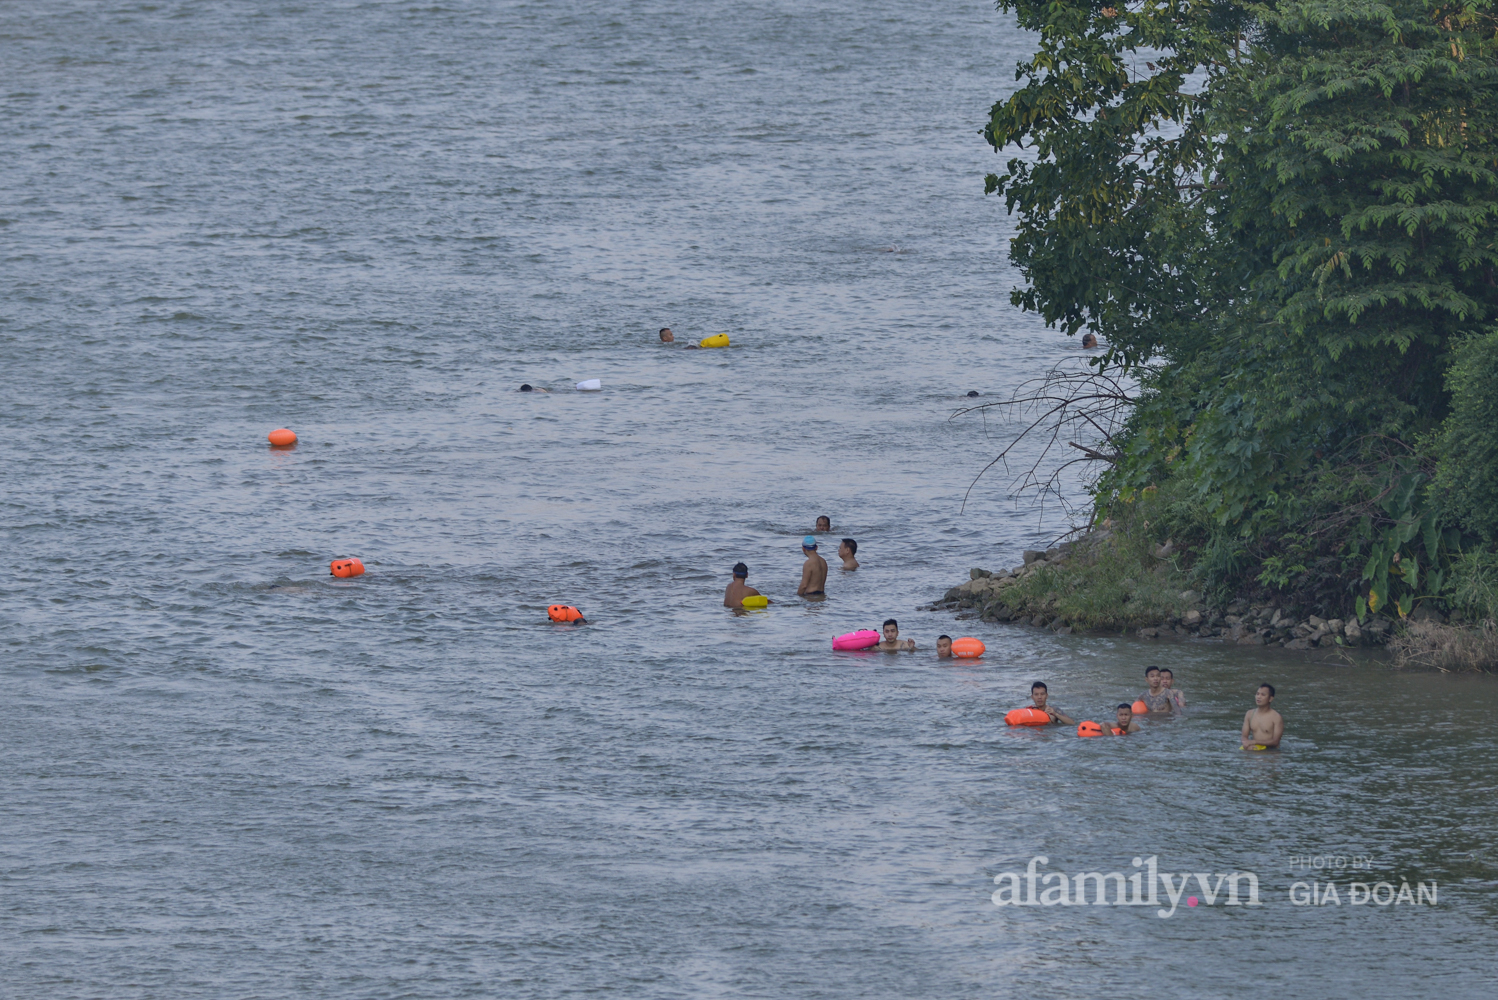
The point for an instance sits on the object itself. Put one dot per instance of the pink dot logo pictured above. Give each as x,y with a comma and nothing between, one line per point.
1190,900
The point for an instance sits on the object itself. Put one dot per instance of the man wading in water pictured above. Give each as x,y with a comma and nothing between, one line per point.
739,589
1262,725
813,571
1157,698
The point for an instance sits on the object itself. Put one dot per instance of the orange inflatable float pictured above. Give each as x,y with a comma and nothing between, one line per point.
967,648
564,613
281,438
1027,717
1140,708
345,568
1089,728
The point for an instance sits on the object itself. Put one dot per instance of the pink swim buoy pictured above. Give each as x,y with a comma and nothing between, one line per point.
862,639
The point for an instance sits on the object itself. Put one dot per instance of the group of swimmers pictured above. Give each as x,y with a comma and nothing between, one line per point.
813,586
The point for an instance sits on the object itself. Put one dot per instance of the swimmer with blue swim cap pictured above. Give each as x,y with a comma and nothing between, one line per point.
813,571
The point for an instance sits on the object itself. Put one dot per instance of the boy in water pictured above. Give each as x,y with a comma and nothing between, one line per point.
1040,694
1167,681
1157,698
1125,724
943,647
1262,725
846,551
813,571
892,642
739,589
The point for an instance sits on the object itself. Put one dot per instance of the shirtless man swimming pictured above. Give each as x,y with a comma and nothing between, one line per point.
1262,725
1168,681
1040,694
739,589
824,525
813,571
892,643
943,647
1125,720
846,551
1157,698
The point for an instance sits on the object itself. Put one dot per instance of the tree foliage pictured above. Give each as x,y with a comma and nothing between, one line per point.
1282,218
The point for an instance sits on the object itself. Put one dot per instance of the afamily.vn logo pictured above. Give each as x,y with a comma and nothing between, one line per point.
1151,887
1142,888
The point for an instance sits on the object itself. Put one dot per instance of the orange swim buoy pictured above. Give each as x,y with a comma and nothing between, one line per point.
1140,708
1027,717
967,648
1089,728
281,438
564,613
345,568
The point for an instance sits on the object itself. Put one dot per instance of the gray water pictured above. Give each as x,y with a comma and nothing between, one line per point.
225,774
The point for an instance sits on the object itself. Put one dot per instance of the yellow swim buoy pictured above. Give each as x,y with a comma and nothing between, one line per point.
755,601
716,340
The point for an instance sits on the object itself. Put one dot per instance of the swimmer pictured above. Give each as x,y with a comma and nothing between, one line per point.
813,571
667,337
1262,725
1040,694
943,647
1167,681
527,387
1157,698
824,525
739,589
846,551
1126,723
892,643
972,394
1089,342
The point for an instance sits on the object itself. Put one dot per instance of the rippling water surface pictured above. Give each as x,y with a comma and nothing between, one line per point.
224,773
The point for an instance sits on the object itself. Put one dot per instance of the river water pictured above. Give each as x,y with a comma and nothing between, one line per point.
225,774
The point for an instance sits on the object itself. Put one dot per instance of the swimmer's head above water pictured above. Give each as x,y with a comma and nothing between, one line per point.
667,337
741,571
943,646
809,543
824,523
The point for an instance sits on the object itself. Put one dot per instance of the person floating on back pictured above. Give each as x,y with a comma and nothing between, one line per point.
1167,682
813,571
943,647
1262,725
1157,700
892,643
739,588
846,551
1125,724
1040,695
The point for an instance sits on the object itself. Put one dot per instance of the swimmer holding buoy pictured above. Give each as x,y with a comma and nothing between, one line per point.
1041,713
345,568
565,614
739,594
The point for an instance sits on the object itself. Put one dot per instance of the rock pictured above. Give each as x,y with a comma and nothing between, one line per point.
1377,626
1237,607
1426,613
1064,630
1279,616
1232,621
1315,622
1353,634
1252,639
1031,555
1298,644
1193,617
978,574
1002,574
1164,551
1334,626
1149,633
1302,630
1053,554
952,595
1190,596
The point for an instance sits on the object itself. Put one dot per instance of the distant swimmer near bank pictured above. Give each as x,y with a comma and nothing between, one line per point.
813,571
1262,725
739,588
